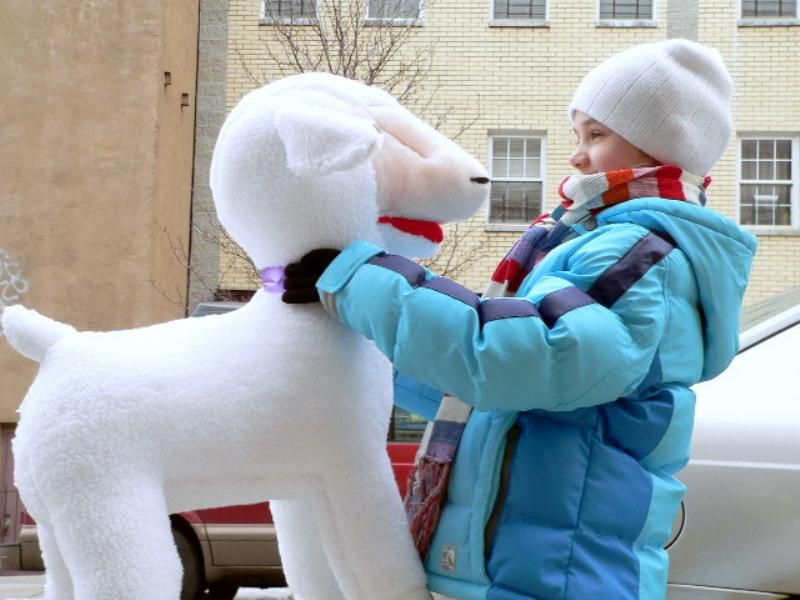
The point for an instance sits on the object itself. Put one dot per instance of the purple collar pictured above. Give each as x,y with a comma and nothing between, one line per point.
272,279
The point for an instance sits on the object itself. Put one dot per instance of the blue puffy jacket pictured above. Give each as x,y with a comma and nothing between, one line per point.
563,486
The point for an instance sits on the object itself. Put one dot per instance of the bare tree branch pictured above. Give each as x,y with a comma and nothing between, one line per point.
238,262
361,40
338,38
460,251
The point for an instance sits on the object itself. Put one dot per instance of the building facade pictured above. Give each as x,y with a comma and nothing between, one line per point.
503,73
96,164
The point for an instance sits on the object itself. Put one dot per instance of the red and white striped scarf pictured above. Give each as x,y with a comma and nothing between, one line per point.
583,197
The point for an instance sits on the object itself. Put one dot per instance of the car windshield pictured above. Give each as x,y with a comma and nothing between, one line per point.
766,309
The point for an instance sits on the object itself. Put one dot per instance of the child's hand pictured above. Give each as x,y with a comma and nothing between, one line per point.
301,277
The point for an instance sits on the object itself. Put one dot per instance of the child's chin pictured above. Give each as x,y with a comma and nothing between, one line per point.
407,244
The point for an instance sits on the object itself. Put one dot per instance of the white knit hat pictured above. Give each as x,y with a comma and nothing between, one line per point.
670,99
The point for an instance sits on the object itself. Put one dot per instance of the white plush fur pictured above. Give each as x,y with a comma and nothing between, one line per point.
272,401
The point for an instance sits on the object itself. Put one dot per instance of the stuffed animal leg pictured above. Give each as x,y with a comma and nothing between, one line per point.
302,550
349,543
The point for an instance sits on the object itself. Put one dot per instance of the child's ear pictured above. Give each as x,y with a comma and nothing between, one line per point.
319,141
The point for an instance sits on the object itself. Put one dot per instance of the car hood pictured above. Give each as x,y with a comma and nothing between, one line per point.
720,253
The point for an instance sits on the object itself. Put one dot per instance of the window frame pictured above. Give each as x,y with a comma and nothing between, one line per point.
794,195
397,21
518,134
268,20
514,22
651,22
767,21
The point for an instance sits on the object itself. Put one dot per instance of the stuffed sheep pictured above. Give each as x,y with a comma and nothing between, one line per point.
271,401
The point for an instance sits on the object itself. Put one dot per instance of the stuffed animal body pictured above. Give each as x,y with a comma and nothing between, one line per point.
271,401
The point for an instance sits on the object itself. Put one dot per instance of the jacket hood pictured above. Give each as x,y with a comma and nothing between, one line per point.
721,255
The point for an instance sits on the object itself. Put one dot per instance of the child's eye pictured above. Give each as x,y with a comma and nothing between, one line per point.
596,134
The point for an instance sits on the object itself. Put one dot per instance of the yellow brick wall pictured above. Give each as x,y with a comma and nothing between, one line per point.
523,78
765,65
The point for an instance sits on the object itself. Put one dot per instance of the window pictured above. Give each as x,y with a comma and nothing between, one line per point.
288,10
766,9
640,10
768,182
393,10
520,9
405,426
517,183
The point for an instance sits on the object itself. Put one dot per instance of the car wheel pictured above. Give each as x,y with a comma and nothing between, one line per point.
222,591
194,578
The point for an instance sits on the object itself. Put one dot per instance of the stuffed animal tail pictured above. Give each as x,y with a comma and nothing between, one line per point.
30,333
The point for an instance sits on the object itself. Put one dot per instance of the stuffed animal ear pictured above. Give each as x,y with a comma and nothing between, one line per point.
319,141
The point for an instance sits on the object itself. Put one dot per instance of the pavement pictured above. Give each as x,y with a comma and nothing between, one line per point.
21,586
18,585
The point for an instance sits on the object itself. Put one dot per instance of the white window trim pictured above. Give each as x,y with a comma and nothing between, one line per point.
267,20
515,133
520,22
626,22
767,21
399,21
794,198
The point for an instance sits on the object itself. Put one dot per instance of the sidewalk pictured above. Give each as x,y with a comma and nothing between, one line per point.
20,585
16,585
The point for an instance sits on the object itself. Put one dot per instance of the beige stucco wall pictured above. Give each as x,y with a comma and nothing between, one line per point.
522,78
95,162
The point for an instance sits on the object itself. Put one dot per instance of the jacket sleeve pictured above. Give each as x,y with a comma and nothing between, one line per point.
584,334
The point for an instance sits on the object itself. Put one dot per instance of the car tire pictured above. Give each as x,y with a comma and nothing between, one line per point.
222,591
194,578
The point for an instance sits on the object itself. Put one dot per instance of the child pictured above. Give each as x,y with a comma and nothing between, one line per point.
581,409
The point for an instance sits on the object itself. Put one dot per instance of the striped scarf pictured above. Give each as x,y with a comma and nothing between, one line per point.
583,197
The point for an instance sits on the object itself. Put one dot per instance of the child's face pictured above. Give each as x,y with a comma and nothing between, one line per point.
599,149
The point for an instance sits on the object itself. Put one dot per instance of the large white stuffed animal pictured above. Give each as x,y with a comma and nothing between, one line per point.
272,401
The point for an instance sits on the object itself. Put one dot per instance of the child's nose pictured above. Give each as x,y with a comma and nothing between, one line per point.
578,160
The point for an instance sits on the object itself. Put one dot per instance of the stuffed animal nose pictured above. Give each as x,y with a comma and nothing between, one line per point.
480,179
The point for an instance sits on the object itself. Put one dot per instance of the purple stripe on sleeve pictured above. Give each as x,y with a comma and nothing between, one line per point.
557,304
619,278
506,308
452,289
414,274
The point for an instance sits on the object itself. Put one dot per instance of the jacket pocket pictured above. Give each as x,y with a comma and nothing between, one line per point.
512,437
457,550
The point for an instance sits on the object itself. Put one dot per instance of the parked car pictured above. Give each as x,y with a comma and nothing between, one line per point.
739,532
736,537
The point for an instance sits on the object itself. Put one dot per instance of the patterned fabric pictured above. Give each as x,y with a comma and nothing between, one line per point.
428,480
583,197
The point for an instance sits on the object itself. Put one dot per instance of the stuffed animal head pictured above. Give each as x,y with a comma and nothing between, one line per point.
316,160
